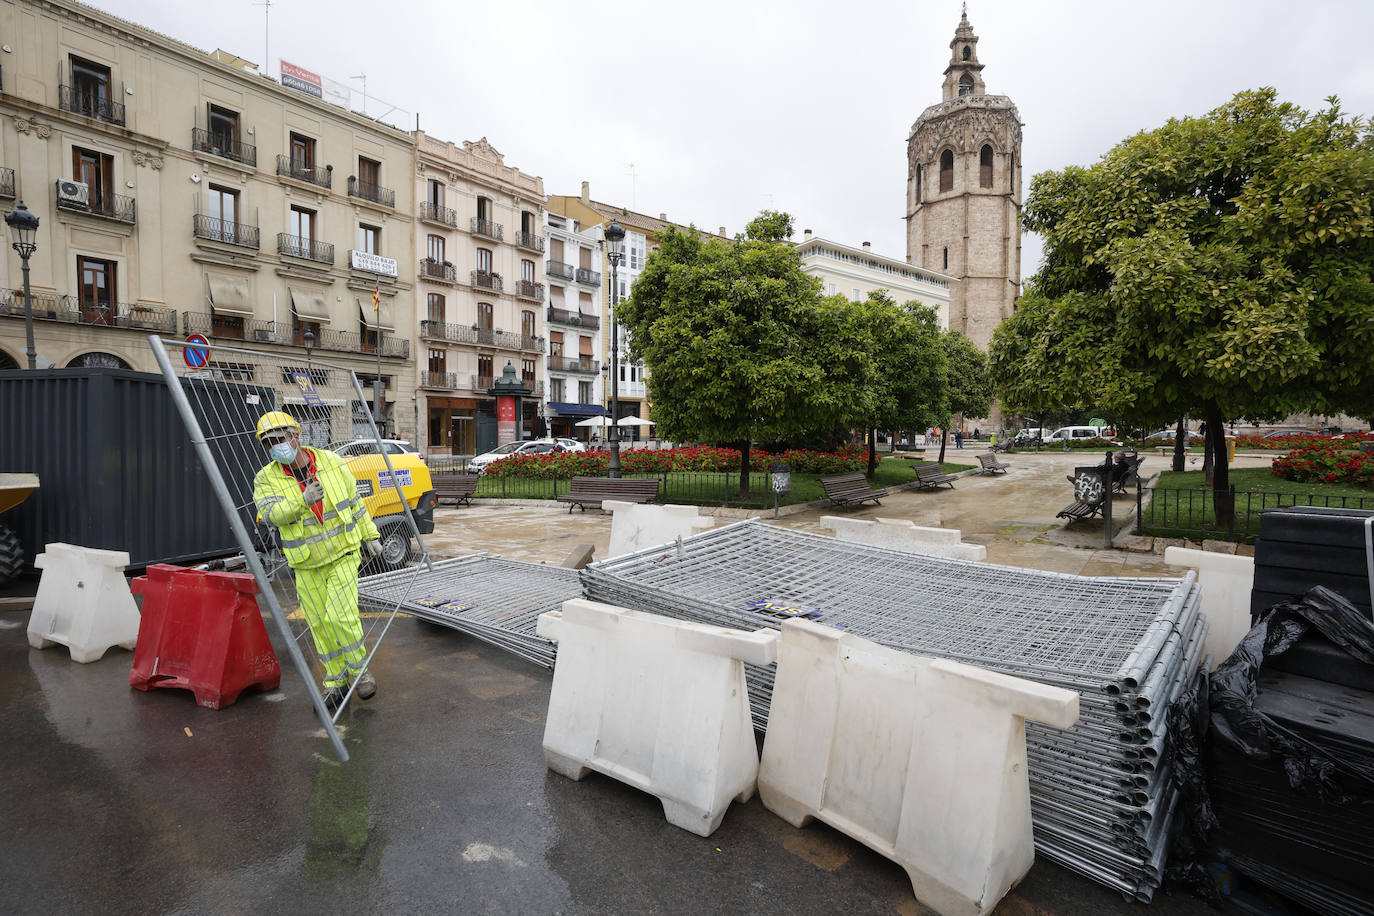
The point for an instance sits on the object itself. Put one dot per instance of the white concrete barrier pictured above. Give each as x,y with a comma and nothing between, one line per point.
657,703
83,602
635,526
1226,582
905,535
922,760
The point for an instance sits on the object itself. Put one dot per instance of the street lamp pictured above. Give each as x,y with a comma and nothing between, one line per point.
309,338
615,243
24,226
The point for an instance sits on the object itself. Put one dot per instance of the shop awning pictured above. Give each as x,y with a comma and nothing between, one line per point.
229,295
564,409
382,320
309,305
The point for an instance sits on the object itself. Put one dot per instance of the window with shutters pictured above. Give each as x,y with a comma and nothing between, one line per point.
435,308
484,316
555,343
527,323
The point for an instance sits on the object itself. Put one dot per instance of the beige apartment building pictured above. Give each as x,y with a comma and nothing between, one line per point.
479,245
181,192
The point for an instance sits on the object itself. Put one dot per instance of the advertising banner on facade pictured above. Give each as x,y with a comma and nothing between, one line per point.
505,419
301,80
372,263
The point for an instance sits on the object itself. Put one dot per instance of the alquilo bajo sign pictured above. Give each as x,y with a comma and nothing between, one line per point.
372,263
302,80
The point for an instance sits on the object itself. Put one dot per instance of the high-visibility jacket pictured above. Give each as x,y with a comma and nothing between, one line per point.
308,541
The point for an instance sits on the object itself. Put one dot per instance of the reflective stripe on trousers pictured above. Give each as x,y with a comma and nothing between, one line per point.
329,600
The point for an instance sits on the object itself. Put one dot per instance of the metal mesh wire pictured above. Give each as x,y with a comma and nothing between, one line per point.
221,398
498,601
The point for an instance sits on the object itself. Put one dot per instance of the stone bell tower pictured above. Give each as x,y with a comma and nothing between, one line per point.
963,196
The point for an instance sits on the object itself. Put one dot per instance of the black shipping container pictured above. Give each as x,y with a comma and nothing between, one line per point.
115,463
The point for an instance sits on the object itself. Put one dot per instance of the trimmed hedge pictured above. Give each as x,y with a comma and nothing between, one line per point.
706,458
1326,461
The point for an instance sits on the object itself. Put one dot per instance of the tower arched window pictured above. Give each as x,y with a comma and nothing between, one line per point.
966,52
918,183
985,167
965,85
947,170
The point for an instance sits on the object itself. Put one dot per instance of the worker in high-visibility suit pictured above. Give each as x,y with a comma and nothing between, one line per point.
311,498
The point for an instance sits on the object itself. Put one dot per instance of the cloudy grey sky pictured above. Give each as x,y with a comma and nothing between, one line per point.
726,108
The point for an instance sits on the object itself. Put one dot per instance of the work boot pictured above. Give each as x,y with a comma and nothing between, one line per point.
366,688
333,698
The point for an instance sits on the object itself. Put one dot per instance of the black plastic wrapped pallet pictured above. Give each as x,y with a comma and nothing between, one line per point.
115,464
1303,546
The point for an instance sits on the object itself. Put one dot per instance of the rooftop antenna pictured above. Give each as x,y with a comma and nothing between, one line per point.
363,77
633,177
266,36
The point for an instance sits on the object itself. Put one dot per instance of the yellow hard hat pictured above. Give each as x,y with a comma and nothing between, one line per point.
276,419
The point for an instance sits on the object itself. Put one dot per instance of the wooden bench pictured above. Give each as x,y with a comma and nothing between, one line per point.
590,491
929,475
1089,493
458,487
991,465
850,489
1127,472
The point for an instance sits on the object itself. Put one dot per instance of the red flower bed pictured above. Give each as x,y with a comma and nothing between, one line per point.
1326,462
701,458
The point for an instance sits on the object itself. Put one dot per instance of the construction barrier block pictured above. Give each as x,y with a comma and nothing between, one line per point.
83,602
922,760
657,703
904,535
1226,582
637,527
202,632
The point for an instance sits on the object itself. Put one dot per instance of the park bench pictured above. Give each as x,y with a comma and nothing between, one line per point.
913,454
991,465
929,475
1127,471
590,491
850,489
458,487
1089,494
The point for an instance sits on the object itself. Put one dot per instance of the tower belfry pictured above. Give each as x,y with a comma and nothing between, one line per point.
964,193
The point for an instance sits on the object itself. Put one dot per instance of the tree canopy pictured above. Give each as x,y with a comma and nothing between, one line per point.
967,382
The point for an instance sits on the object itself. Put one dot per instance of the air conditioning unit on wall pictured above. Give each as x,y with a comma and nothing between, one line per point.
73,194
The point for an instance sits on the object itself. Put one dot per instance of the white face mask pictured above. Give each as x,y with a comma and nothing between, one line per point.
283,452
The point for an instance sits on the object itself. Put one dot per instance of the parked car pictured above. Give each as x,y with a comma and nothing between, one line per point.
1065,433
571,445
355,447
1283,433
1166,436
478,465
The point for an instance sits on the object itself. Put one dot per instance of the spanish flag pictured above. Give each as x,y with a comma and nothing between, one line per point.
377,299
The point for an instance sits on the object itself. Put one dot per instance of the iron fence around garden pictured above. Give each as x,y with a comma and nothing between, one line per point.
719,488
1190,512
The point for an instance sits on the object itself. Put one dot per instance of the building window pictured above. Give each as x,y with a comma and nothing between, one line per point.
435,193
369,239
96,294
484,208
557,390
830,289
584,303
369,172
527,224
96,172
855,294
303,224
484,369
526,270
556,250
556,296
484,316
527,323
438,360
224,214
527,372
556,343
584,392
966,53
434,248
302,153
584,258
965,85
224,129
985,167
947,170
918,184
946,259
584,351
484,260
435,308
91,83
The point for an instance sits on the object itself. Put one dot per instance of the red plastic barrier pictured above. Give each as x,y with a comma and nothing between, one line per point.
202,631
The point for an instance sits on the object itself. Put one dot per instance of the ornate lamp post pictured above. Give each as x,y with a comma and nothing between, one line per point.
309,339
615,245
24,226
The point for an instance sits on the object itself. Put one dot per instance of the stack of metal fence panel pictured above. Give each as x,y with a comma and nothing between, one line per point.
1101,805
498,601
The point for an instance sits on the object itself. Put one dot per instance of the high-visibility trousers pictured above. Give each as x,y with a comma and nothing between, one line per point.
329,600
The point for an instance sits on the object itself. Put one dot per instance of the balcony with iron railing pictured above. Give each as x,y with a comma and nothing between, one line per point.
488,228
114,207
531,240
588,276
429,379
576,319
572,364
353,342
434,213
366,190
438,271
98,105
483,279
223,145
528,289
129,315
456,333
558,269
6,182
289,168
212,229
235,327
308,249
482,382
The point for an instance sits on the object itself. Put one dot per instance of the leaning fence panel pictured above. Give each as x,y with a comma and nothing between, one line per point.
305,521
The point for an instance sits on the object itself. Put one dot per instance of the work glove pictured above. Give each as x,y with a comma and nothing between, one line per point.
313,492
373,549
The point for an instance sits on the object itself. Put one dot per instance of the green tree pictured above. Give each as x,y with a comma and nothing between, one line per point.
966,380
739,343
1219,266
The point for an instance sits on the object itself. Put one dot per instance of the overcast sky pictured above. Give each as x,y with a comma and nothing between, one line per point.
727,108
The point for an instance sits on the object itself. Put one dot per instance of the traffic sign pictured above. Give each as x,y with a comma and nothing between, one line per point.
196,355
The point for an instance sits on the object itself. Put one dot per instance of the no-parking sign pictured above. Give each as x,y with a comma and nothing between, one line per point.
195,353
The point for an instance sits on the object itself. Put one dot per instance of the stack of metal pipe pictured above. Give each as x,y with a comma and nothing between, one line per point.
1100,796
497,601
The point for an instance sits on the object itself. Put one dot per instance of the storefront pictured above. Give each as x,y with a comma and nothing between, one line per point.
452,425
564,416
